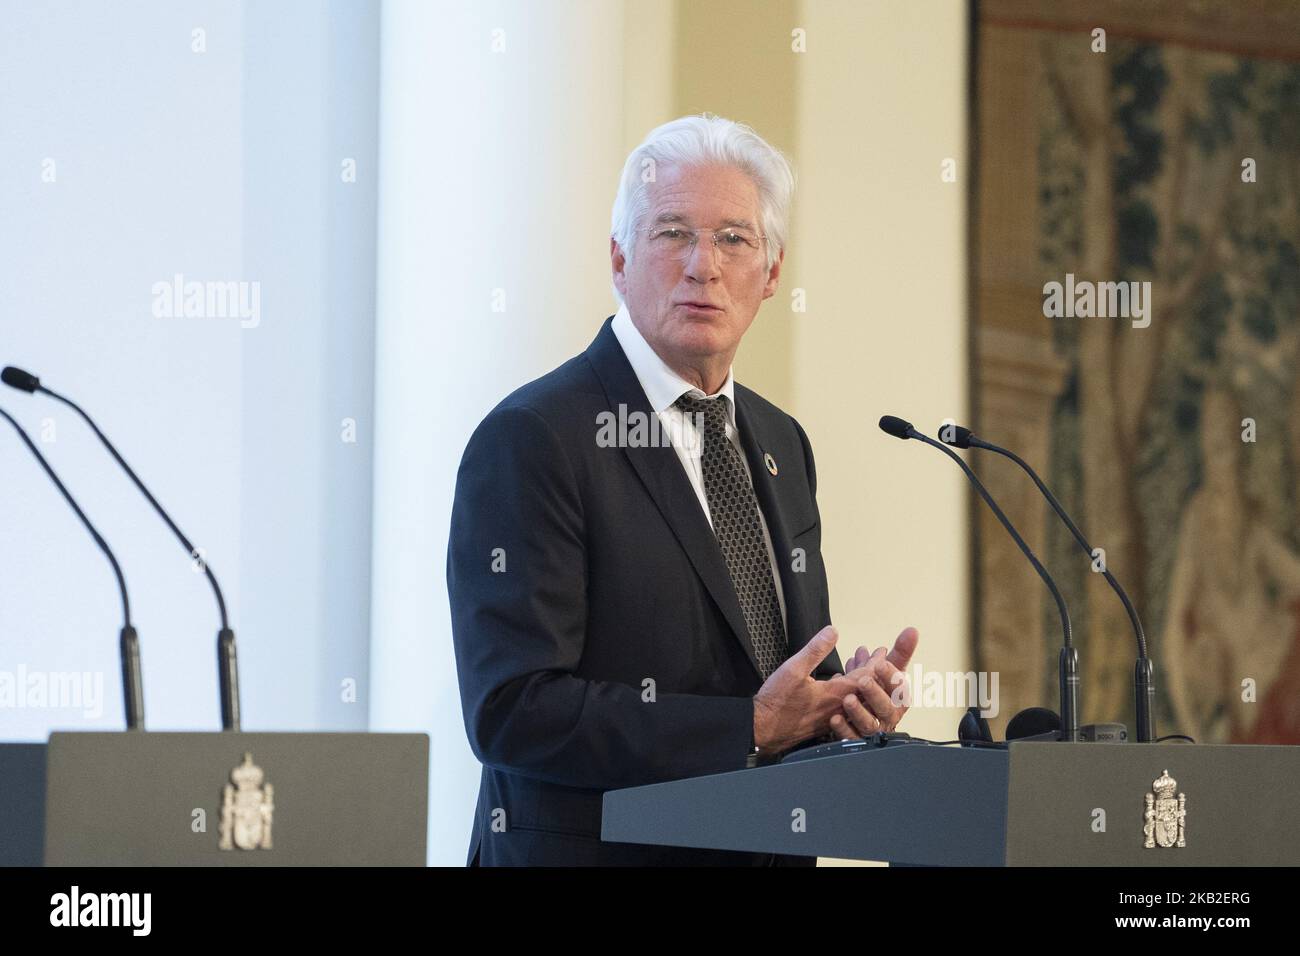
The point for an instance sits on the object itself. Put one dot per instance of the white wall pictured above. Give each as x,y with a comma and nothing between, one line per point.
220,165
310,104
503,190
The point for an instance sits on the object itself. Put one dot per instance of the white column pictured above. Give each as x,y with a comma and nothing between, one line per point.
501,141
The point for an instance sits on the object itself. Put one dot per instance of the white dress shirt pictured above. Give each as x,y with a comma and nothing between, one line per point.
663,387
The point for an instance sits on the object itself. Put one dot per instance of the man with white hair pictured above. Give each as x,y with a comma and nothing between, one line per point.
634,566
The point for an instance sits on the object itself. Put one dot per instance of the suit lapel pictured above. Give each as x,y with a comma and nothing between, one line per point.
661,472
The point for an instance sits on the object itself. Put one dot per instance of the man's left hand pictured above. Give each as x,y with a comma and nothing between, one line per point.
882,697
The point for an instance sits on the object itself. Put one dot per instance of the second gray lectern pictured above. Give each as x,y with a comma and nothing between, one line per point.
1031,804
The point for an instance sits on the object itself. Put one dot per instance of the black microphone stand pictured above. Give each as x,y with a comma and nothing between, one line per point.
128,640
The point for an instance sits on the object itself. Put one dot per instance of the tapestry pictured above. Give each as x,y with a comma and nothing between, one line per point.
1136,338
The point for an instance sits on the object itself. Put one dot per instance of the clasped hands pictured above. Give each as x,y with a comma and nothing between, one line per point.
870,696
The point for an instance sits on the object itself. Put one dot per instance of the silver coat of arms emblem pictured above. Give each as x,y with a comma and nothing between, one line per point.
1166,813
246,809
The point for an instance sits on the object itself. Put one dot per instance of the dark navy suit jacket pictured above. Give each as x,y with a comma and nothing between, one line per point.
599,641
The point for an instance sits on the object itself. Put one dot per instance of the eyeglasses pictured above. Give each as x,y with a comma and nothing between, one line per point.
733,243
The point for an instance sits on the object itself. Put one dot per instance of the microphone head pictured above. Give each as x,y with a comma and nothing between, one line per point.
955,435
895,426
974,727
1031,722
17,378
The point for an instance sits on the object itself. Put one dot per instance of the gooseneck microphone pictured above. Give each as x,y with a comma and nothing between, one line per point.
1143,672
129,641
1069,657
227,664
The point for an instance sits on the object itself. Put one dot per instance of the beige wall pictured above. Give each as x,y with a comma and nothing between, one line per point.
879,246
867,114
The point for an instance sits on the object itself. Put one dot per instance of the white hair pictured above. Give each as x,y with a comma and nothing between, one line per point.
703,141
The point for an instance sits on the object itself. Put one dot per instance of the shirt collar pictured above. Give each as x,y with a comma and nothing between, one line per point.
661,384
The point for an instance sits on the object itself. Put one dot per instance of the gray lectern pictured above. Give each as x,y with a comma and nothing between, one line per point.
215,799
1031,804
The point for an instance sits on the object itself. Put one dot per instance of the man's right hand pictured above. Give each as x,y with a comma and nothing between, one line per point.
792,705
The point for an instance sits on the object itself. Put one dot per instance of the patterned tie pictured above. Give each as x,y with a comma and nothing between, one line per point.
739,531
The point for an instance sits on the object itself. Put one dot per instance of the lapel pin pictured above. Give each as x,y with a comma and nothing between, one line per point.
770,462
